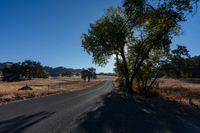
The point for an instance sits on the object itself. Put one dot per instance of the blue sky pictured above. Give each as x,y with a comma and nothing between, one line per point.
49,31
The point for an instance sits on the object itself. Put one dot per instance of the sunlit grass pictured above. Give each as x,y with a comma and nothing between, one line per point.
185,91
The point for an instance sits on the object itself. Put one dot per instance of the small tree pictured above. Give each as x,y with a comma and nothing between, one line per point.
12,73
194,67
31,69
27,69
92,73
84,74
89,74
180,61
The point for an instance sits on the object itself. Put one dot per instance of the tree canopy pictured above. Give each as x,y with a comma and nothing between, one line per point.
25,70
181,64
139,35
89,74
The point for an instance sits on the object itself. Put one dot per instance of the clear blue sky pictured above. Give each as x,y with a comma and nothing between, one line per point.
49,31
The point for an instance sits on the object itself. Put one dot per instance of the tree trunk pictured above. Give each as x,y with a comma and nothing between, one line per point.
129,87
88,78
126,73
130,91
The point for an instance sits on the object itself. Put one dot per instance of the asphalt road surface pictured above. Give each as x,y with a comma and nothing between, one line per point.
51,114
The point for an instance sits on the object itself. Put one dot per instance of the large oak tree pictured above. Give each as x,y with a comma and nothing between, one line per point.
135,33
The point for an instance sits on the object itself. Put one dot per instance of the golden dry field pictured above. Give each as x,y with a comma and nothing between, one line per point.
186,91
9,91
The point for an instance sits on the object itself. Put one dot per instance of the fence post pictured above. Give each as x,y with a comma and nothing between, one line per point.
48,88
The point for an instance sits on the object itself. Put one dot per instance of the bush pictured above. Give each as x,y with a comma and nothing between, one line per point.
121,84
24,88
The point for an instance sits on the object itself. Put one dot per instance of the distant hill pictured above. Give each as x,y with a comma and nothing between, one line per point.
106,74
52,71
56,71
61,71
5,64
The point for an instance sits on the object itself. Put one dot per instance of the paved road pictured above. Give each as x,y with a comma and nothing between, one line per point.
51,114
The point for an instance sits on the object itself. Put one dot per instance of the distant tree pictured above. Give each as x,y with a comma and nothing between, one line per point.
68,73
25,70
1,74
180,61
84,74
49,70
89,74
31,69
39,71
181,65
106,74
12,73
195,67
77,74
92,73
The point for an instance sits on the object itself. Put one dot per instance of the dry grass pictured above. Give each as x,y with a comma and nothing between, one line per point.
184,91
102,78
9,91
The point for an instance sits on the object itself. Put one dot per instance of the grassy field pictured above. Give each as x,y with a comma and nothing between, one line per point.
186,91
9,91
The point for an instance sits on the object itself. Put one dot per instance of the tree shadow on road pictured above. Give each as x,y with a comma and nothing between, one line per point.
140,115
20,123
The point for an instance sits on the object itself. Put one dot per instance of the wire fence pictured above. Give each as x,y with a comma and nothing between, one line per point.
60,85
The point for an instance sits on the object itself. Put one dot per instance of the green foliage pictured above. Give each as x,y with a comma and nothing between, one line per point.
84,74
103,38
12,73
181,64
195,67
180,60
31,69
